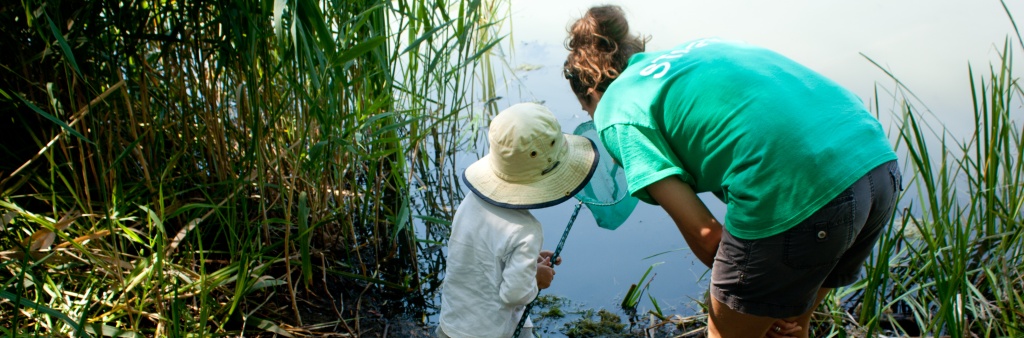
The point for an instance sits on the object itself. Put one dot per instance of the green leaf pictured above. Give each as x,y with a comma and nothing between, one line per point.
104,330
309,12
657,309
188,207
130,233
127,150
360,49
41,308
268,326
155,219
486,48
402,219
54,119
64,46
265,283
397,126
433,219
415,43
633,295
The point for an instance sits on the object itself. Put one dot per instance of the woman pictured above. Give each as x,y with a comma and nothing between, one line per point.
808,176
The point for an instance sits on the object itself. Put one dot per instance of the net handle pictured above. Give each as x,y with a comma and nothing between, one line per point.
554,257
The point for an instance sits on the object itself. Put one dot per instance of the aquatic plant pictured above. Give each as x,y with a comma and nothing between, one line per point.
607,324
951,264
632,297
550,306
174,168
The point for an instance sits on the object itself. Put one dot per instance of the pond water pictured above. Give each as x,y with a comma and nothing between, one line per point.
927,44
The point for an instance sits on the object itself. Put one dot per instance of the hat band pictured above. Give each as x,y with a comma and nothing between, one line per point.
549,169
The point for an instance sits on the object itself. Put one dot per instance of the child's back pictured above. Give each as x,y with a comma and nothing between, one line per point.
491,269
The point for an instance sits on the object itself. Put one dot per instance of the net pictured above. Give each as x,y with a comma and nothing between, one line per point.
606,194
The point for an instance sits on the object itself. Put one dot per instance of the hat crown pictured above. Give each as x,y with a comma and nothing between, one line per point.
530,163
526,143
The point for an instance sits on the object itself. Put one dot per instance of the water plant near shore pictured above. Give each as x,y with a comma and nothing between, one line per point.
201,168
176,168
960,272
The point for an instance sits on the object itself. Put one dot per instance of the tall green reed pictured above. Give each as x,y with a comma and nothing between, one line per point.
234,163
951,264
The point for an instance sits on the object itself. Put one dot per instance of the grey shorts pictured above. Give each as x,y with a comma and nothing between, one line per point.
779,276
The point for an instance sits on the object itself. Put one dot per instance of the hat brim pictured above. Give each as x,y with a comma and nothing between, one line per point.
563,183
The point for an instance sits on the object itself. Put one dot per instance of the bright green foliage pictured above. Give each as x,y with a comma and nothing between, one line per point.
228,165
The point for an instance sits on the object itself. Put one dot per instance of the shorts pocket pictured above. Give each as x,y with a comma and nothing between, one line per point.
821,239
896,176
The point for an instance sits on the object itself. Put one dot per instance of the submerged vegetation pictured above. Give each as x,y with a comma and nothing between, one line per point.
607,324
203,168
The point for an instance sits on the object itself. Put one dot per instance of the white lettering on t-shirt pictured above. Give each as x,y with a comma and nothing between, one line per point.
661,65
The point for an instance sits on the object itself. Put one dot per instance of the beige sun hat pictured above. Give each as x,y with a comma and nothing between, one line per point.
531,163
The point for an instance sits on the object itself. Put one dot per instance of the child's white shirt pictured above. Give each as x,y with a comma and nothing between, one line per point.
491,269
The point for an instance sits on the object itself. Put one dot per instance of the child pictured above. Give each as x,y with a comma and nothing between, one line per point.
494,264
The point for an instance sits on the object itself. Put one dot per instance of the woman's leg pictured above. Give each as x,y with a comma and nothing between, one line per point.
726,322
804,320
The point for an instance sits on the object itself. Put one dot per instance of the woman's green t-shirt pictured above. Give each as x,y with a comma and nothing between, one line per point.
771,138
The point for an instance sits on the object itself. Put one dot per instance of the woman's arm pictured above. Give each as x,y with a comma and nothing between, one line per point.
700,229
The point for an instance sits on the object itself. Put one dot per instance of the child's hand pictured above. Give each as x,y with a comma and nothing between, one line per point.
545,254
544,273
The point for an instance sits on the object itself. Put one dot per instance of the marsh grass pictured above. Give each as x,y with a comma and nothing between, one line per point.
176,169
951,264
207,168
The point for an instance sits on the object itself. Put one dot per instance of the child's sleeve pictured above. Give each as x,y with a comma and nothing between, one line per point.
519,279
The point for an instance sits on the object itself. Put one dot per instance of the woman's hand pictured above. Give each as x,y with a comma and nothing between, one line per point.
545,254
783,329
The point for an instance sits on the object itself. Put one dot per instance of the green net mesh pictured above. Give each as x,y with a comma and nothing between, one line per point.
605,195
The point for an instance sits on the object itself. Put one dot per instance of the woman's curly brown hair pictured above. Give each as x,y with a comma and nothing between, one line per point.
599,46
